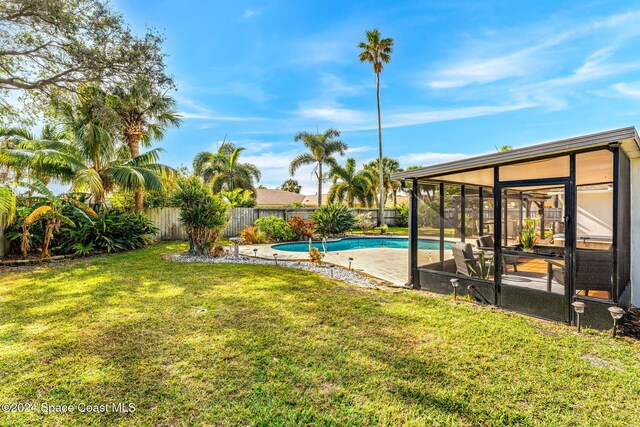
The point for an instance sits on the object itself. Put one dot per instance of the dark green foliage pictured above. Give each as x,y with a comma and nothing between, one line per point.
402,215
203,215
276,229
332,220
109,231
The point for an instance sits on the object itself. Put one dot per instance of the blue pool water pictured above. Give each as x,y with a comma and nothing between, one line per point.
363,243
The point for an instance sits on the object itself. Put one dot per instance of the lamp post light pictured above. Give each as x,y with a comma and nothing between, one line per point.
275,256
350,259
578,307
255,252
455,283
331,270
616,313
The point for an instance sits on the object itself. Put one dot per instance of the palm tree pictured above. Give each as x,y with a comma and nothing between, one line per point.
377,51
349,185
389,166
223,169
504,148
8,201
291,185
145,115
322,150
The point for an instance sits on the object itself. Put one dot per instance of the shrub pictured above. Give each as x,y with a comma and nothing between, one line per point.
203,215
297,204
364,221
109,231
331,220
300,226
384,229
253,235
402,215
275,228
315,256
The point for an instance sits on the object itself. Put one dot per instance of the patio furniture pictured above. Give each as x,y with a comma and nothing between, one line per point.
485,243
463,256
594,271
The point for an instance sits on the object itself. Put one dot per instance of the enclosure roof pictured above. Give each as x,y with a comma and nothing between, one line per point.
627,137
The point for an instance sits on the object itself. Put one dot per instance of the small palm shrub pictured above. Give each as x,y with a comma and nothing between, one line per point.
332,220
203,215
253,235
300,226
364,221
276,229
402,215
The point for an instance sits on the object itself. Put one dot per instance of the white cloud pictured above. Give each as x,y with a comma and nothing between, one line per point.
199,111
631,89
249,13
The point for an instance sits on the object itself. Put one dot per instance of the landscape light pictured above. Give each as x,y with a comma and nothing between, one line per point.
578,307
275,256
616,313
255,252
455,283
350,259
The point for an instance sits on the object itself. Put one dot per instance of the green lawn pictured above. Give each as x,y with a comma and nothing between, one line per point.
284,347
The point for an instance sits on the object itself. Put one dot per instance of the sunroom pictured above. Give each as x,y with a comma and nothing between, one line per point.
533,229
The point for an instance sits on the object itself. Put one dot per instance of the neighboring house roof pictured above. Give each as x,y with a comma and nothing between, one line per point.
312,200
274,197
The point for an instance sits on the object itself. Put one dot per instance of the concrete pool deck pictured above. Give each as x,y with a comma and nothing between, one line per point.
390,265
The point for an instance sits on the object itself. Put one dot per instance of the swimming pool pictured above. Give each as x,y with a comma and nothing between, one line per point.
363,243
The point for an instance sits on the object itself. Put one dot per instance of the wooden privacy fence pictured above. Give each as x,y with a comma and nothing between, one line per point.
169,227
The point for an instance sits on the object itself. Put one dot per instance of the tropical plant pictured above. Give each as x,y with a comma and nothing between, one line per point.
145,115
504,148
253,235
110,231
239,198
203,214
389,187
223,169
276,229
376,51
364,221
528,236
296,204
322,149
291,185
300,226
332,220
482,267
349,185
8,203
384,229
50,209
402,215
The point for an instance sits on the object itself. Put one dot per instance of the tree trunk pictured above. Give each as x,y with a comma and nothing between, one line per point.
319,184
133,140
380,175
48,234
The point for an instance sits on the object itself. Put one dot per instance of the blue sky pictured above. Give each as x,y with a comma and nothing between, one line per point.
464,76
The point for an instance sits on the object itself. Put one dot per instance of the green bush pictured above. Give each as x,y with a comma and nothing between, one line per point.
203,215
402,215
110,231
332,220
276,229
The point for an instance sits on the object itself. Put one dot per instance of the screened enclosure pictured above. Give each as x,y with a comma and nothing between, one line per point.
528,233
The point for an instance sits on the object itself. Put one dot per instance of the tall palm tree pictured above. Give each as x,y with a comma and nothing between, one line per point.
377,51
322,150
145,115
349,185
224,170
